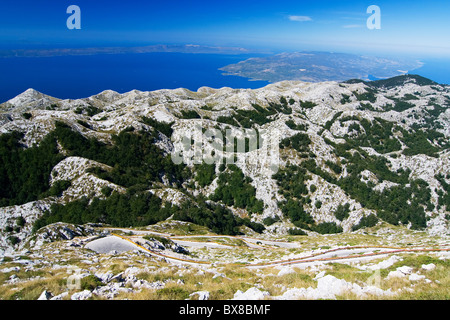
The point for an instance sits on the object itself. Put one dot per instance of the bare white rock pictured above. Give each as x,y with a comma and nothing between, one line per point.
429,267
251,294
83,295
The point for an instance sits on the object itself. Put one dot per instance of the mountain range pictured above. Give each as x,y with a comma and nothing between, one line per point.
352,155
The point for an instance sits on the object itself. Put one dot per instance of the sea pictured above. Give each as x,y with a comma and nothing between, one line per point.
72,77
436,69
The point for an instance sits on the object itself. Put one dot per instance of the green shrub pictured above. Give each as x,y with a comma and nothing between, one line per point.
13,240
234,189
402,106
300,127
342,211
227,120
296,232
90,282
106,191
163,127
20,221
205,174
366,222
27,115
307,104
293,209
417,143
84,124
345,99
327,227
333,166
270,220
377,134
189,114
299,142
329,123
369,95
58,188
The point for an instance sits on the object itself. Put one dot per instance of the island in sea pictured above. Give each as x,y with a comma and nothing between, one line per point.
314,66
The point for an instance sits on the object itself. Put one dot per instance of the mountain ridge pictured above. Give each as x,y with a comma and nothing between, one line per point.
395,81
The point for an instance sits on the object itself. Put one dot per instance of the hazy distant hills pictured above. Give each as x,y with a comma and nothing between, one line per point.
319,66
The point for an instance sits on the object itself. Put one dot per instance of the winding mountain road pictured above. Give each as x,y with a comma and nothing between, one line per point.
350,253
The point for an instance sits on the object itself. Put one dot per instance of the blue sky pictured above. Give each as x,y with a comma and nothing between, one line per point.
407,27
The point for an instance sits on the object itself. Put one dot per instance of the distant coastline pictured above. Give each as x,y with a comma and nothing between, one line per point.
187,48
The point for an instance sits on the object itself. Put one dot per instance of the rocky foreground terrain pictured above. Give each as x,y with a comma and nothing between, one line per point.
356,204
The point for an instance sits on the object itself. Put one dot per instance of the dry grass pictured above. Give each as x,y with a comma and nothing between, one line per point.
180,286
276,285
227,277
32,289
437,289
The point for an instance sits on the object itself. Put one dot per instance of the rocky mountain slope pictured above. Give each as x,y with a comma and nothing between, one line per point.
351,155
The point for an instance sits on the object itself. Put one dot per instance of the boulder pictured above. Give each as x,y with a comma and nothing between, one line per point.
45,295
251,294
416,277
286,270
202,295
405,269
429,267
83,295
